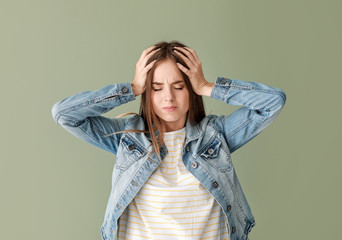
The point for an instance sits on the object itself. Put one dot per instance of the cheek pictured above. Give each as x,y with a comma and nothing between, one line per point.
153,97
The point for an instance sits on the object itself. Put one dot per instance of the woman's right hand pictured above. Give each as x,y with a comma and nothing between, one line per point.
139,82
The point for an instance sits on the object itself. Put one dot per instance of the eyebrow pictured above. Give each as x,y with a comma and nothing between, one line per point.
159,83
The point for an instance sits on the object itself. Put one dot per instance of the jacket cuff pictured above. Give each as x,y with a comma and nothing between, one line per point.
125,92
220,88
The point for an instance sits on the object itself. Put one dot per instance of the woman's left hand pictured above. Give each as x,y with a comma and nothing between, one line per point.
195,73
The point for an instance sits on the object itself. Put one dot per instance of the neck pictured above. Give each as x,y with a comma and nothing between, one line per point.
169,127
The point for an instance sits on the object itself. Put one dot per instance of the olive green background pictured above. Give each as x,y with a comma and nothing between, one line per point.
55,186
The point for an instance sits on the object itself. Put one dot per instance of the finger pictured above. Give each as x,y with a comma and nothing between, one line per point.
152,52
184,69
187,52
148,56
193,52
150,65
144,53
144,57
150,48
185,59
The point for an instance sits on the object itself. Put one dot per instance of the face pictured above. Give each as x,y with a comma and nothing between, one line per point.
170,96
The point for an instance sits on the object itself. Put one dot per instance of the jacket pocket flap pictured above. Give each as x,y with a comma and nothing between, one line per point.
212,150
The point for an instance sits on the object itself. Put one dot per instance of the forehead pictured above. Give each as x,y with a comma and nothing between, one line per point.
167,72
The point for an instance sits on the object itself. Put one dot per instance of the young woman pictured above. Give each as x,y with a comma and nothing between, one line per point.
173,177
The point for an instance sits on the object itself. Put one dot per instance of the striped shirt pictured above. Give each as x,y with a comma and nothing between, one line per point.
173,204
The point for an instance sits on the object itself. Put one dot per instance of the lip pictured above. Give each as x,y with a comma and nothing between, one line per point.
170,109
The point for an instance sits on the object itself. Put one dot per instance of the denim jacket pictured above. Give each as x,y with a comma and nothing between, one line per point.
206,153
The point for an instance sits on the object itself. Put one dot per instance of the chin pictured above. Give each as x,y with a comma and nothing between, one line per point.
169,119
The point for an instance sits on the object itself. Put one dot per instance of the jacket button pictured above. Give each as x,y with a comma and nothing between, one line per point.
223,81
187,148
131,147
124,89
215,184
210,151
229,207
233,229
194,164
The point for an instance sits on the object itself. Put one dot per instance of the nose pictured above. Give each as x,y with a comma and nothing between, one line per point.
169,94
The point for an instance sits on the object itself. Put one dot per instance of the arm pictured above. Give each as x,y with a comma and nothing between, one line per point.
262,104
80,114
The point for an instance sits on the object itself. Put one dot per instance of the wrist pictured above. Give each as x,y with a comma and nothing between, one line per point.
206,89
136,91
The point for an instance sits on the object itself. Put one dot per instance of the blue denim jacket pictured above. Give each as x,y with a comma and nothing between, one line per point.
206,153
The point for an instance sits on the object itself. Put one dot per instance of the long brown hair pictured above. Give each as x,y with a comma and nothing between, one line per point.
152,122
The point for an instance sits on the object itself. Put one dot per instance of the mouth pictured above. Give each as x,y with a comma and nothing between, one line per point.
170,109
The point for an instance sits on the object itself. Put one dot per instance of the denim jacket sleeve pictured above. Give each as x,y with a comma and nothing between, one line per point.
80,114
261,105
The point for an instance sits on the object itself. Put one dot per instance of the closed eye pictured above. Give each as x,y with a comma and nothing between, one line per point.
161,89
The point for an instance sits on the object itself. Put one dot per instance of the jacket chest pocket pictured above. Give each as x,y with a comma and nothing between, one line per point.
128,153
215,155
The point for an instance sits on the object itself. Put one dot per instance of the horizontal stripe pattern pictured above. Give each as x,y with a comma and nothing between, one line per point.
173,204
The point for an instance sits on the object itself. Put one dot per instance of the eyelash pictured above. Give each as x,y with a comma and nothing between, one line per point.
160,89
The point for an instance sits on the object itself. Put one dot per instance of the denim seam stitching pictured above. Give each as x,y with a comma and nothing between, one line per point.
112,150
126,191
104,98
128,135
218,131
237,129
219,189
